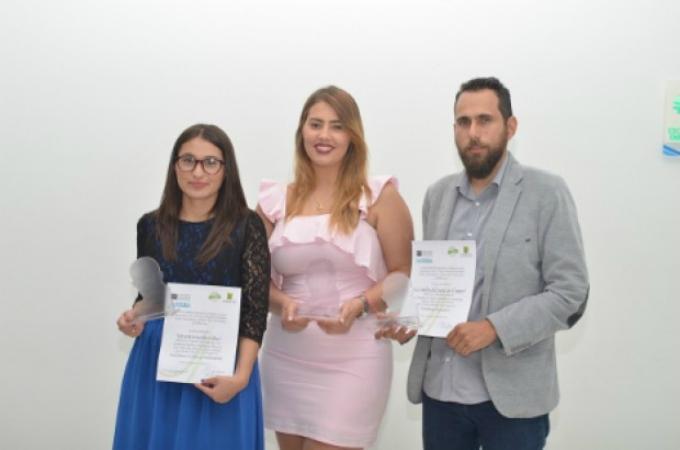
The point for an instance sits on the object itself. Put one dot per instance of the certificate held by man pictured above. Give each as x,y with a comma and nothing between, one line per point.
201,335
442,280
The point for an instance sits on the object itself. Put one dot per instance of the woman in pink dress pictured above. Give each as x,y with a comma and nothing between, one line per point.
334,234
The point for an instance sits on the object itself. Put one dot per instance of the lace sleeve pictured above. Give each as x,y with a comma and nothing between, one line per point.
255,267
142,249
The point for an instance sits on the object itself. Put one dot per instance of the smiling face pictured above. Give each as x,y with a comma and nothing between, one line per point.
324,136
480,131
197,184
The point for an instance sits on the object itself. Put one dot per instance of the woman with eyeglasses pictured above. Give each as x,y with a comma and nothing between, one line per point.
334,234
202,233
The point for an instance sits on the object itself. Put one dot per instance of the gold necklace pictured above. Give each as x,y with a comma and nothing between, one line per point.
319,206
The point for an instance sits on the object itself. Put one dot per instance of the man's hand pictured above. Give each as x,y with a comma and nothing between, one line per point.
469,337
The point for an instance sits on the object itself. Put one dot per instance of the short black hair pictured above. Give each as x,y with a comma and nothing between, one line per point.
492,83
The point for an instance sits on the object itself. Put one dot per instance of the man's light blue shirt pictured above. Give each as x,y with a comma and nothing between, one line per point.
449,376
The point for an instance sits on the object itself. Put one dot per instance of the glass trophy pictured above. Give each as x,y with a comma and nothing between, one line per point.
400,312
320,280
315,312
148,279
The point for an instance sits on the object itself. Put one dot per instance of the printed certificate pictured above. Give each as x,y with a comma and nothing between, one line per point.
442,280
200,336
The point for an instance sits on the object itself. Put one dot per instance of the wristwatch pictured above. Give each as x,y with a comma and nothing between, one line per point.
365,304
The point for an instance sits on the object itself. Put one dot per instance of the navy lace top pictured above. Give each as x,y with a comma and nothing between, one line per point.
245,263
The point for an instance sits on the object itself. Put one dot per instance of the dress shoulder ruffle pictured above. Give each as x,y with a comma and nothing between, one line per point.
362,244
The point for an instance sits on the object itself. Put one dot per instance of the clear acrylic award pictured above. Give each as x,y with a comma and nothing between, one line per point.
148,279
400,313
324,303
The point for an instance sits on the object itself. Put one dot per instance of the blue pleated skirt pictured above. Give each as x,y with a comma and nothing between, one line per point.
176,416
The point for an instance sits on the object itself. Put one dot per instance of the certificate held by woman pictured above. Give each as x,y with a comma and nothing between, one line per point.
200,338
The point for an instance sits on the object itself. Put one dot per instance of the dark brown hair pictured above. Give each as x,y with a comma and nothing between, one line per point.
491,83
228,209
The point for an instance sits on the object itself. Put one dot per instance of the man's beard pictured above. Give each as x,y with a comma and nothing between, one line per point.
481,167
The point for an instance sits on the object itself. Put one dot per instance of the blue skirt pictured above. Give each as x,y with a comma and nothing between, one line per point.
165,416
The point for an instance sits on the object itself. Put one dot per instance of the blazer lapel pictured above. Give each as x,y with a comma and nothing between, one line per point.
498,222
443,222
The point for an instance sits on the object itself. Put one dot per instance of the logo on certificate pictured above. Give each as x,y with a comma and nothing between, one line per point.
180,300
453,251
424,256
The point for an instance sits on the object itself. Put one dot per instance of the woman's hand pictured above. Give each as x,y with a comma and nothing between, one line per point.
397,333
289,319
222,388
127,325
349,311
393,330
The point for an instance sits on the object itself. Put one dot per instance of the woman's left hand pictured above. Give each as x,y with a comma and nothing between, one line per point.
222,388
349,311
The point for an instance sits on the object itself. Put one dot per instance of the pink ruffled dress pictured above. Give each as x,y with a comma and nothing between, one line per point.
331,388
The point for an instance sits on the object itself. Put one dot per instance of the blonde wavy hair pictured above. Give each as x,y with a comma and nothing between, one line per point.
352,181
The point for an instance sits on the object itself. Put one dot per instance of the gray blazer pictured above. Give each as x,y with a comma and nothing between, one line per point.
535,283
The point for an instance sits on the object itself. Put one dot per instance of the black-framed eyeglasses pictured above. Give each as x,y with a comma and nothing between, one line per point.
210,165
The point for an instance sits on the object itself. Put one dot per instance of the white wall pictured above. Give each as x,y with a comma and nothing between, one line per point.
92,95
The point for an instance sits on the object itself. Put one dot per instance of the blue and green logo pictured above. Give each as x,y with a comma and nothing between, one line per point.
674,134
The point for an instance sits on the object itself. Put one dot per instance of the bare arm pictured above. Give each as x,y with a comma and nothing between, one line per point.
391,218
254,298
279,302
222,389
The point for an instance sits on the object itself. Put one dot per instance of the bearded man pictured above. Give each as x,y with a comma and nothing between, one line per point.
493,380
